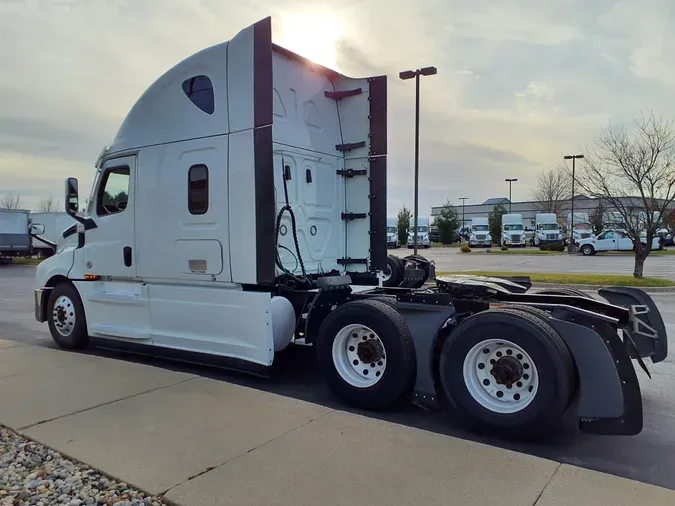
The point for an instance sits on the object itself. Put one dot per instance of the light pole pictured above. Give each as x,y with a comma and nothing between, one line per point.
510,181
462,228
570,246
409,74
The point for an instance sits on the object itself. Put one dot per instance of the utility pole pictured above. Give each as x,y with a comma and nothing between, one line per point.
570,247
510,181
409,74
462,227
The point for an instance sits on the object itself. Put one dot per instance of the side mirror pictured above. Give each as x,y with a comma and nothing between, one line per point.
72,196
37,229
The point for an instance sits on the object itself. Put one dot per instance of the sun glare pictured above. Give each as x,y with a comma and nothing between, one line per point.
312,35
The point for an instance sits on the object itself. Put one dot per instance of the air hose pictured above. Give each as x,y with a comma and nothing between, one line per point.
288,208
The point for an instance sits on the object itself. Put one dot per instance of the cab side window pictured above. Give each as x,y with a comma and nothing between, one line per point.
198,189
113,192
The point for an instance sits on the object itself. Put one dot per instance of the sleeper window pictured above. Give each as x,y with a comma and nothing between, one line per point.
198,189
113,194
200,92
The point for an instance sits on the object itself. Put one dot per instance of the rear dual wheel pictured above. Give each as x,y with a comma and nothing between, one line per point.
508,372
366,354
393,273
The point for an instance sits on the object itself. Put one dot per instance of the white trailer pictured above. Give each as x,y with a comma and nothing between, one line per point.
14,234
513,233
480,233
54,223
241,209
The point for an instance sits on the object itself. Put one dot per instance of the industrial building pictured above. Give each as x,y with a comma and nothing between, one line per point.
582,204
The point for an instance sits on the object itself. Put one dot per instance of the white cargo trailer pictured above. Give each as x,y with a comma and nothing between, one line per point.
55,223
241,208
14,233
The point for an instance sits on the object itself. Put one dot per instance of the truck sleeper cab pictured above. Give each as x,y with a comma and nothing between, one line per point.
237,213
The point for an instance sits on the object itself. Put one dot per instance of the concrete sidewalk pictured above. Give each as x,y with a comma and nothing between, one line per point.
199,441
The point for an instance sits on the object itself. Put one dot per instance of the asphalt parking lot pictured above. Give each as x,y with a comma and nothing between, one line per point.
646,457
450,259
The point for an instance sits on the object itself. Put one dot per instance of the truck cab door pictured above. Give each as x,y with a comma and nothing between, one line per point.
109,248
606,242
116,303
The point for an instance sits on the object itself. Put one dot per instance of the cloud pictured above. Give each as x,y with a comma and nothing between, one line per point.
519,84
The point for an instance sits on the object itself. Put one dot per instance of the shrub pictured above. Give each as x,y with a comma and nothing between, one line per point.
465,249
504,248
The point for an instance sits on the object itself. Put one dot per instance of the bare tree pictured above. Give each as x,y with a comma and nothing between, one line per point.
10,201
635,175
552,191
48,205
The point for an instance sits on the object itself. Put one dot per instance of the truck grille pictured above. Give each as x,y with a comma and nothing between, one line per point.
551,236
515,238
480,237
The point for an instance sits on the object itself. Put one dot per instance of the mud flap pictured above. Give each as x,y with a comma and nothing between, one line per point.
647,335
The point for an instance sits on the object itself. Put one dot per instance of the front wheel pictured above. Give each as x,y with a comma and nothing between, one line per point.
366,354
587,250
66,319
508,373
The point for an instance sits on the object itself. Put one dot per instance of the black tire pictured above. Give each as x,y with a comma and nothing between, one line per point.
389,300
587,250
396,272
66,310
549,354
401,366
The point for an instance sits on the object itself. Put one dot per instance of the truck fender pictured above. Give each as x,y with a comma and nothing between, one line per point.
601,394
425,322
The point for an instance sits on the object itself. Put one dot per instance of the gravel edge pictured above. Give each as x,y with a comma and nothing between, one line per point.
36,475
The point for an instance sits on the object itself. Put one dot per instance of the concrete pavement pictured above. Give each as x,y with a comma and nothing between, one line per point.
205,442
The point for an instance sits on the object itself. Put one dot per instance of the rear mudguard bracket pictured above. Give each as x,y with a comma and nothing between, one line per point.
610,400
425,322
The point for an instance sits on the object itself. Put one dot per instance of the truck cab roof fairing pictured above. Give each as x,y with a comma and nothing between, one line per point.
164,113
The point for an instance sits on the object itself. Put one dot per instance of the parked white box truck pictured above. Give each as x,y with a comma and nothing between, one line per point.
241,208
547,230
480,233
14,234
513,233
55,223
423,240
392,232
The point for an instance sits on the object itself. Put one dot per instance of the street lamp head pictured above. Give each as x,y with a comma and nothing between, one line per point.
511,179
570,157
428,71
407,74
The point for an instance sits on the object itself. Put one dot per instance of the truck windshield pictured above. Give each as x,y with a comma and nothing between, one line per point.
91,198
391,230
480,228
513,227
548,226
422,229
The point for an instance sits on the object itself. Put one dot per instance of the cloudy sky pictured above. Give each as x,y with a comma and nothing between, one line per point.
519,84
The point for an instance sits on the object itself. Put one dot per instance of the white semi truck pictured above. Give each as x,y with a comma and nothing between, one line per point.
297,153
513,231
423,230
582,228
547,230
392,232
480,233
